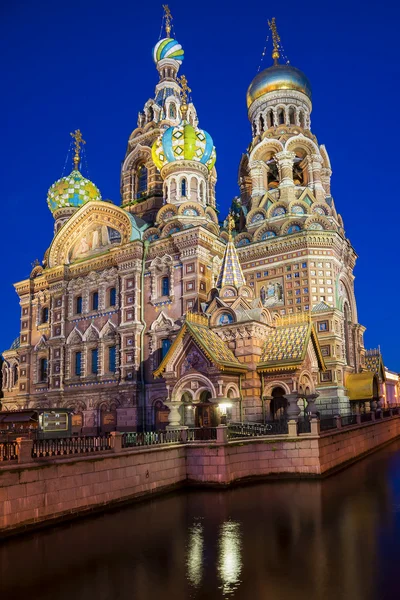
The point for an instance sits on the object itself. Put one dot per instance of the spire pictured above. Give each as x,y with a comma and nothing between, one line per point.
185,91
231,272
275,40
168,19
78,141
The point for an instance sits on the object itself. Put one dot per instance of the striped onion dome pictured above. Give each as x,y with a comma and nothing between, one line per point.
73,190
184,142
168,48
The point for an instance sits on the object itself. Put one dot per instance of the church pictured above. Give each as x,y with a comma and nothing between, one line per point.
155,313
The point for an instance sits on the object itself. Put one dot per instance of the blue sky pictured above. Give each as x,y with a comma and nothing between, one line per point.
88,65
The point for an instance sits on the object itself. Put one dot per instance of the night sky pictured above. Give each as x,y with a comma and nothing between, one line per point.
88,65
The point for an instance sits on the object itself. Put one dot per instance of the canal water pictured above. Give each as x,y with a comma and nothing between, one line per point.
335,539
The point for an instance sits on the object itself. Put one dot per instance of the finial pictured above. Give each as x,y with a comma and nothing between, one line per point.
231,225
185,91
78,141
275,40
168,19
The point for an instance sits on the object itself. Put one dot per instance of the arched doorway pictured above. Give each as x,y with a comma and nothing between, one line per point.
278,404
205,412
161,413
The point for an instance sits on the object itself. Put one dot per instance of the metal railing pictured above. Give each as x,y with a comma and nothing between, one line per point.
242,430
201,434
366,417
8,451
349,420
328,423
68,446
151,438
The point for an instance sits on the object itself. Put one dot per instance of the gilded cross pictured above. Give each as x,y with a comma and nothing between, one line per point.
231,225
275,40
77,135
168,19
185,91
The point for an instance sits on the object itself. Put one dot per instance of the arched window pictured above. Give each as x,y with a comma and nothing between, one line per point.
172,111
254,128
261,124
281,116
270,118
165,286
43,369
165,346
95,360
183,187
292,116
141,181
301,118
112,356
201,192
78,305
113,297
95,300
78,364
45,314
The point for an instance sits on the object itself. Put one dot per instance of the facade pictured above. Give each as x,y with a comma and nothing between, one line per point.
154,314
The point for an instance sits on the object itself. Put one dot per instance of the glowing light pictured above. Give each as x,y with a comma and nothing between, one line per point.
230,556
224,406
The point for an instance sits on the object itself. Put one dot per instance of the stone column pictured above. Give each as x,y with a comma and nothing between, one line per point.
293,410
257,170
116,437
317,177
311,406
25,447
285,164
222,434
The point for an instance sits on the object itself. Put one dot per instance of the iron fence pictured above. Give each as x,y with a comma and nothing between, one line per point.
366,417
349,420
68,446
328,423
8,451
151,438
201,434
242,430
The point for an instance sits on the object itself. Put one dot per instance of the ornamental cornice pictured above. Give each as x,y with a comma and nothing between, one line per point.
239,331
181,166
272,99
294,242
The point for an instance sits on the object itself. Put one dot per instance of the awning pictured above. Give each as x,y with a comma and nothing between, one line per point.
362,386
22,417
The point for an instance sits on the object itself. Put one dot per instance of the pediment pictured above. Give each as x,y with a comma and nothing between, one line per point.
93,229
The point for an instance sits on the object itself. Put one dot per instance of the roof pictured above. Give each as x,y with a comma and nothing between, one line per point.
286,347
321,306
362,386
231,272
374,363
196,326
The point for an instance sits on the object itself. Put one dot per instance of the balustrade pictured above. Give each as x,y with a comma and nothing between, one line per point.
8,451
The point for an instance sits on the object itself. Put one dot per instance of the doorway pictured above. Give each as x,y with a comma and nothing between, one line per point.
278,404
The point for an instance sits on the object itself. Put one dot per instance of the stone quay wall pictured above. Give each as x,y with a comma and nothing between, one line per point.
47,490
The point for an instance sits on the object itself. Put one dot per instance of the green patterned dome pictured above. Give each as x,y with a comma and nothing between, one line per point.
72,191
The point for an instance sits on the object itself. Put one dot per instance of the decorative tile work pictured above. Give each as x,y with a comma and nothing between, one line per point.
231,272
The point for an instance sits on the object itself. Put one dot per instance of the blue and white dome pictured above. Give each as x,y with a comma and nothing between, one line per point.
168,48
184,142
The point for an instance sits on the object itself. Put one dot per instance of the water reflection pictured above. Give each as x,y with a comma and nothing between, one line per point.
230,559
195,555
304,540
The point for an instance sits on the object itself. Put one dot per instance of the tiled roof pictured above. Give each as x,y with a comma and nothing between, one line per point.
321,306
287,345
231,272
209,343
374,363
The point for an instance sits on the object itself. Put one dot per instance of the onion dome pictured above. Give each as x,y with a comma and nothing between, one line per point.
168,48
278,77
184,142
71,191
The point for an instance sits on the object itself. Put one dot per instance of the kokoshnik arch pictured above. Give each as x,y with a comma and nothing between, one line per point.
152,313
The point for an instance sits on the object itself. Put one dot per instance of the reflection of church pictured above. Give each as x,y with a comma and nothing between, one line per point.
151,313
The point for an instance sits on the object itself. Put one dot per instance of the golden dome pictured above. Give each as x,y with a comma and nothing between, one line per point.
278,77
